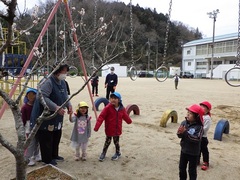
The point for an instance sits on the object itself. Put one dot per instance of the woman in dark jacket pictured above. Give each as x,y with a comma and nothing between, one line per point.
54,92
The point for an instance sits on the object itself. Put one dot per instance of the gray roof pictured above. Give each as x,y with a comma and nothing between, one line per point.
207,40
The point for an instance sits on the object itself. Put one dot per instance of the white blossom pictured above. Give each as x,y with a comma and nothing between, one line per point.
62,37
35,22
73,29
101,19
82,12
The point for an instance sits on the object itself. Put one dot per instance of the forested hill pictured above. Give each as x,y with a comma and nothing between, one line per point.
148,27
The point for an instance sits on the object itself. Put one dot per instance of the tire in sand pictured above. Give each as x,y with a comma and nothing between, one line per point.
167,115
100,100
134,108
221,127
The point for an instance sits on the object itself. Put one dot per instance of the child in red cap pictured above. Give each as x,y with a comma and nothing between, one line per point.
206,106
190,132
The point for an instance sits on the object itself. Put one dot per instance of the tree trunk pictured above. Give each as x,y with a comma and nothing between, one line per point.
21,167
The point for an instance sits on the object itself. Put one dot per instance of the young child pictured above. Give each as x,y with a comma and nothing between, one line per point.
206,125
176,80
190,132
32,153
113,115
81,130
94,83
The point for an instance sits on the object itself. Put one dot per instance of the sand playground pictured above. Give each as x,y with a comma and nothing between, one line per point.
148,150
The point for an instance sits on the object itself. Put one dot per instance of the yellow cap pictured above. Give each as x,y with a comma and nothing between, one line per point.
82,104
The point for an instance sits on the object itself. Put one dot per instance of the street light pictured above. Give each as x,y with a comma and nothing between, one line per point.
213,15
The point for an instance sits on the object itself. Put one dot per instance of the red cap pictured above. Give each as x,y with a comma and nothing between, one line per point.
207,104
198,110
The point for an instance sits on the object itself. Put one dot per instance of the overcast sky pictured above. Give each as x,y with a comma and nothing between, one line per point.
193,13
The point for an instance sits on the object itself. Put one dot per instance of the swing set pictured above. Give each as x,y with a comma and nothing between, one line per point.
161,73
232,76
34,51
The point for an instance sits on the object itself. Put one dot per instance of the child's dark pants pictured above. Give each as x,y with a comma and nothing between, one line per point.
192,166
204,150
108,142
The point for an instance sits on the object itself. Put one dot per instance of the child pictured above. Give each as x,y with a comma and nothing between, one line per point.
176,80
206,125
190,132
32,153
81,130
112,114
94,83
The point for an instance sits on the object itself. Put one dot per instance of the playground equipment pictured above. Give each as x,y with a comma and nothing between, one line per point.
161,72
99,101
167,115
11,63
134,108
37,43
221,127
232,76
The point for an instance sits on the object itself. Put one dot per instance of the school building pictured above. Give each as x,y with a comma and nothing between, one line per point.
197,55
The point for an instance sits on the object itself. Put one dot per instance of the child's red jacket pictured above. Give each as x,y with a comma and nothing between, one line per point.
113,120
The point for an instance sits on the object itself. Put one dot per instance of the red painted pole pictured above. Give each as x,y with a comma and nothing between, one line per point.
79,54
44,29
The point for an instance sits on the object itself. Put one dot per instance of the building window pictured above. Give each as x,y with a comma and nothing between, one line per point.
189,63
224,47
201,49
201,68
217,62
188,52
233,62
201,63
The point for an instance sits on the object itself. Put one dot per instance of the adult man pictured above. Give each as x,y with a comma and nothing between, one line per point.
111,82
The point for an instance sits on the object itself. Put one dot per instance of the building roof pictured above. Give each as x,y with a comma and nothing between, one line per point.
207,40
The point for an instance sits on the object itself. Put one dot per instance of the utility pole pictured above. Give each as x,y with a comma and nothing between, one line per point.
213,15
148,43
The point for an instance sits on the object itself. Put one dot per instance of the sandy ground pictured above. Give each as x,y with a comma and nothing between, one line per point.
148,150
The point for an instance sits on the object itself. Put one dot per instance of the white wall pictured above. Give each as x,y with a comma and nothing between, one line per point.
121,71
220,71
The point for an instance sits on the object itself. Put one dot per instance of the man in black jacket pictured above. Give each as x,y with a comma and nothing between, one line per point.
111,82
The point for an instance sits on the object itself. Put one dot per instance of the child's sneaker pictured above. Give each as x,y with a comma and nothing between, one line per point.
116,156
84,157
205,166
97,95
31,162
76,158
102,157
38,158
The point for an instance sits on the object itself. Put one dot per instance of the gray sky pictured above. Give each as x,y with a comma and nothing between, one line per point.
192,13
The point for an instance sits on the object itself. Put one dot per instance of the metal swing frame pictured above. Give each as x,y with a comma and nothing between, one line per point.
236,68
162,70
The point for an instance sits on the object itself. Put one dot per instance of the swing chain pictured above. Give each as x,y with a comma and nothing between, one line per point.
131,31
167,32
238,48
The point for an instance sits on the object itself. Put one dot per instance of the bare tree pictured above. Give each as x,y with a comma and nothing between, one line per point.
112,48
